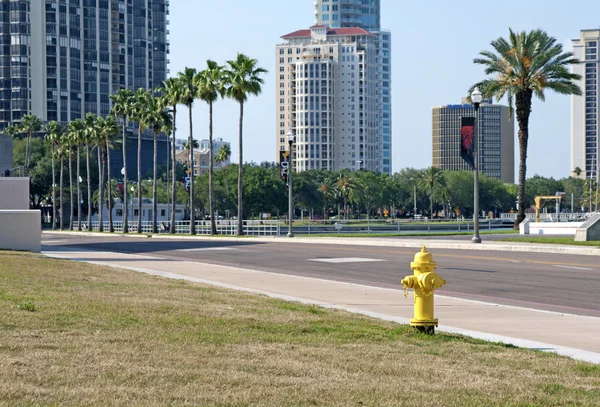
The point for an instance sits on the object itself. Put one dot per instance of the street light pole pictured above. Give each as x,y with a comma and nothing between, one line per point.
414,200
124,205
290,136
476,97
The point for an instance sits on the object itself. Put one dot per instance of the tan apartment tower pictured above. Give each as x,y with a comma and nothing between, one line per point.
326,94
496,139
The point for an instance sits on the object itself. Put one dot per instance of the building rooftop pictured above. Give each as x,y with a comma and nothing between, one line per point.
331,31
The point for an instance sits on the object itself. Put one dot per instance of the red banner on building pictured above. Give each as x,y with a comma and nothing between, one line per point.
467,140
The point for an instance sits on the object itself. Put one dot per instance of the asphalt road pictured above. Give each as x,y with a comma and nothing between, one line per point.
554,282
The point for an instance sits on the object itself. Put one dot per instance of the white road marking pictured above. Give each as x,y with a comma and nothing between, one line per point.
572,267
53,241
205,249
347,260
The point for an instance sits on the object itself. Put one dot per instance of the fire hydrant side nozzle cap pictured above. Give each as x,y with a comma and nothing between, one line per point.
423,259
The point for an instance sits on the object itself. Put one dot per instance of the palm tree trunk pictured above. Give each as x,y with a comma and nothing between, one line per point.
62,206
139,176
523,103
53,192
211,198
71,189
191,146
78,191
27,155
154,194
111,228
124,206
240,226
173,179
100,189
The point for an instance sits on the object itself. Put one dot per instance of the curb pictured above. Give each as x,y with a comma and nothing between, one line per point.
413,243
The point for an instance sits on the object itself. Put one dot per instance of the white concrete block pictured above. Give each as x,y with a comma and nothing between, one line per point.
21,230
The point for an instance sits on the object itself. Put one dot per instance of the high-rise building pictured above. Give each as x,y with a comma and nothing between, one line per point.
327,95
585,132
496,129
366,14
60,60
6,158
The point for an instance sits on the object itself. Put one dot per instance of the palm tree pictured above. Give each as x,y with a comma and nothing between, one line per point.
61,152
90,133
171,95
242,79
432,176
98,141
30,124
13,131
345,186
54,133
108,129
223,154
526,65
189,92
155,118
76,130
139,114
123,104
327,188
210,88
577,171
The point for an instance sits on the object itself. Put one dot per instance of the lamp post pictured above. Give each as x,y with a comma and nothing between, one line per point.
414,197
290,137
476,97
124,211
131,202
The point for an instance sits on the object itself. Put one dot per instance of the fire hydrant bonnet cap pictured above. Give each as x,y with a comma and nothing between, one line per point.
423,258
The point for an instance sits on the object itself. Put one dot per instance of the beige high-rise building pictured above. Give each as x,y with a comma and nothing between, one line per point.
496,139
327,95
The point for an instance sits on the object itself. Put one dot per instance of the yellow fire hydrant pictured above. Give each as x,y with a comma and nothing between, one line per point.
424,282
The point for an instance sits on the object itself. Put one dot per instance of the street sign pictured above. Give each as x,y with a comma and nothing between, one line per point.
338,226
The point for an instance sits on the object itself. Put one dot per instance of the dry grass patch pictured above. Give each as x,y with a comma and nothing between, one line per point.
90,335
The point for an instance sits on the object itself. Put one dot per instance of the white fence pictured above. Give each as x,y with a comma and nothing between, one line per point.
550,217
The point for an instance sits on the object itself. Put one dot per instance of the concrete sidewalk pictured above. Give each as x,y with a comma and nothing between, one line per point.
570,335
486,245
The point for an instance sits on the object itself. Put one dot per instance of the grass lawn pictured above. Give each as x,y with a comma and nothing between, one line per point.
78,334
365,234
551,240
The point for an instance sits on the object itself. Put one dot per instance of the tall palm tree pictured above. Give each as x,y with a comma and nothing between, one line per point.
90,135
155,118
30,124
189,92
98,143
432,176
60,152
526,65
54,133
123,104
108,129
210,87
171,95
76,130
242,79
577,171
139,114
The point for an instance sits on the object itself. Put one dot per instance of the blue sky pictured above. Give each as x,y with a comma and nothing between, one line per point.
433,46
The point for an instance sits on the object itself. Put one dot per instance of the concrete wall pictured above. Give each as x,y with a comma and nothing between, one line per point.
554,228
14,193
20,230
